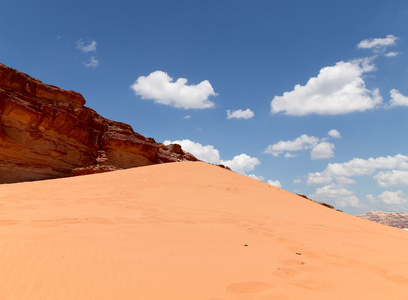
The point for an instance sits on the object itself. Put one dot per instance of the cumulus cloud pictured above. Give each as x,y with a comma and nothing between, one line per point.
392,178
337,194
270,182
357,167
323,150
242,163
378,44
366,63
275,183
396,201
86,46
260,178
345,180
205,153
334,134
240,114
318,179
397,197
371,198
93,62
159,87
303,142
338,89
397,99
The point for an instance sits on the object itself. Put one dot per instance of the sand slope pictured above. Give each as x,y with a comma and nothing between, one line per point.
188,231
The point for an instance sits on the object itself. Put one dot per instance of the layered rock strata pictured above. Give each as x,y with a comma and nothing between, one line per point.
47,132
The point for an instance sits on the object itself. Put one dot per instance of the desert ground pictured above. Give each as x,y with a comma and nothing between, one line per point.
190,231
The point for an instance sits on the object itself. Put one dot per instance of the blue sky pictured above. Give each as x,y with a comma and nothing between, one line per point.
307,95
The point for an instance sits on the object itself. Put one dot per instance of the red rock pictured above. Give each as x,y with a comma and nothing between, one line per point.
321,203
47,132
176,148
20,82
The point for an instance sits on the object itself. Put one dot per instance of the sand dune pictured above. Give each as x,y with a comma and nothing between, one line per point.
188,231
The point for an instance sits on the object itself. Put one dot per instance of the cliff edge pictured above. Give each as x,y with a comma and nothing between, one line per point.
47,132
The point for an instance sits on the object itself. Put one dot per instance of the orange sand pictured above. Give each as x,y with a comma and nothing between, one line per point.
188,231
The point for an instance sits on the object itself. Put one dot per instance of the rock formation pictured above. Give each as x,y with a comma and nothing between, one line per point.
399,220
47,132
321,203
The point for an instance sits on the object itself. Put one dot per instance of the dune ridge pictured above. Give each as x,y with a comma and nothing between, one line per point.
188,230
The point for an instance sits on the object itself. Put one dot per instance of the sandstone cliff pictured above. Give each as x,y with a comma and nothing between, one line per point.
399,220
47,132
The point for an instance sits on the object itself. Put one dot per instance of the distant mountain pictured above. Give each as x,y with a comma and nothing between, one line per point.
399,220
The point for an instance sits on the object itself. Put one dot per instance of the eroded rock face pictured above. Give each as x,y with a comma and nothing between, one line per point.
47,132
399,220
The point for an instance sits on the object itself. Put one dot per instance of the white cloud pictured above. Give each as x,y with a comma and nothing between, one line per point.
397,99
391,54
323,150
270,182
187,117
366,63
240,114
159,86
395,200
397,197
242,163
371,198
357,167
86,46
297,181
303,142
318,179
378,44
334,134
338,89
392,178
320,148
275,183
204,153
260,178
93,62
345,180
336,194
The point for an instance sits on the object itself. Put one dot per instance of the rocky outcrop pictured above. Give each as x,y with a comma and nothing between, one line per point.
47,132
398,220
321,203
